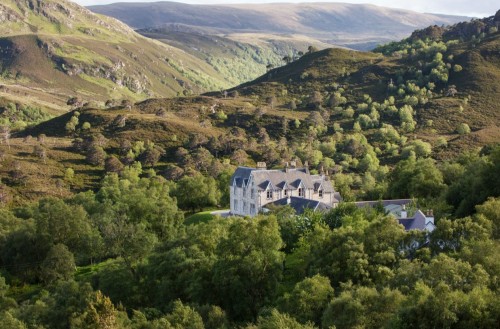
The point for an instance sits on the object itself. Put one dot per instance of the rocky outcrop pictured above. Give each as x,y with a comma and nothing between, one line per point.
459,31
58,12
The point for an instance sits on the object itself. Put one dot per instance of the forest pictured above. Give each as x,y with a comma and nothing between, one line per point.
123,257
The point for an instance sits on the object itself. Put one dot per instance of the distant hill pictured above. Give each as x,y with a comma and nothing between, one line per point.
358,26
447,74
238,58
52,50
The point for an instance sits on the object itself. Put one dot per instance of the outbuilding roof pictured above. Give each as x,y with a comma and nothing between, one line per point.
416,222
300,204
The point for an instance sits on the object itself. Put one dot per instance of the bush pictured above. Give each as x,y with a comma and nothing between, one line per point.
463,129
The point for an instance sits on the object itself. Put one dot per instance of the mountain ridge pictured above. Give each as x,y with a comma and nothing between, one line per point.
335,23
70,51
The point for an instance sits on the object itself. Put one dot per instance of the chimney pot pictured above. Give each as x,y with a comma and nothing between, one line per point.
429,218
404,213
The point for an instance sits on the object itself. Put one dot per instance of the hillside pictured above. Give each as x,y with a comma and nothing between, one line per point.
354,113
351,25
53,50
464,92
237,57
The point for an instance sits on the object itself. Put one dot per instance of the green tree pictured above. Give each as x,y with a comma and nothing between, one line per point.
308,299
415,178
72,123
184,317
59,264
248,266
278,320
463,129
8,321
197,192
480,180
408,124
491,210
362,307
60,223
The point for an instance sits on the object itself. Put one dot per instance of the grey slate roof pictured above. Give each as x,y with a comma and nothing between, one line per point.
416,222
300,204
293,178
384,203
239,175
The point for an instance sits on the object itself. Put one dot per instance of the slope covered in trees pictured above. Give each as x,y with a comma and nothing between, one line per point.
139,266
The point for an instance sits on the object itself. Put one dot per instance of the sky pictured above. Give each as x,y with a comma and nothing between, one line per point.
473,8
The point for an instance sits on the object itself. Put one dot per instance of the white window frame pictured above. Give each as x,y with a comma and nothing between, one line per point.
269,194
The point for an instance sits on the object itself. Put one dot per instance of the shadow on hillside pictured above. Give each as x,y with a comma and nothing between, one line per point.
74,161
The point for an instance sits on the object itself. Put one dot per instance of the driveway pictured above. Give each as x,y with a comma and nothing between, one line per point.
221,213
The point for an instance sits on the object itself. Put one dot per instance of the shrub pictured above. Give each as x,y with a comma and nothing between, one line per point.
463,129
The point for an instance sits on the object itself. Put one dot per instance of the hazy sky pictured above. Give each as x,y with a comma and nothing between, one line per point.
477,8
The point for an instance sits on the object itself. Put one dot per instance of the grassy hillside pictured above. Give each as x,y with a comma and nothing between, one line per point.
237,57
65,50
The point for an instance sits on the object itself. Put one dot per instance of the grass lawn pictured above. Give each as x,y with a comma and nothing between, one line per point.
85,273
201,217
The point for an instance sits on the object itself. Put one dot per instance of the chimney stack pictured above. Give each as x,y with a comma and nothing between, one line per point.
429,217
293,164
404,213
261,165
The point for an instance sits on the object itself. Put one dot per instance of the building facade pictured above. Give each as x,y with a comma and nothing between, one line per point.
253,188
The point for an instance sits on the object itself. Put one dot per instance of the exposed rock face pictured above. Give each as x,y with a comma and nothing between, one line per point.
462,30
8,15
433,32
60,12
